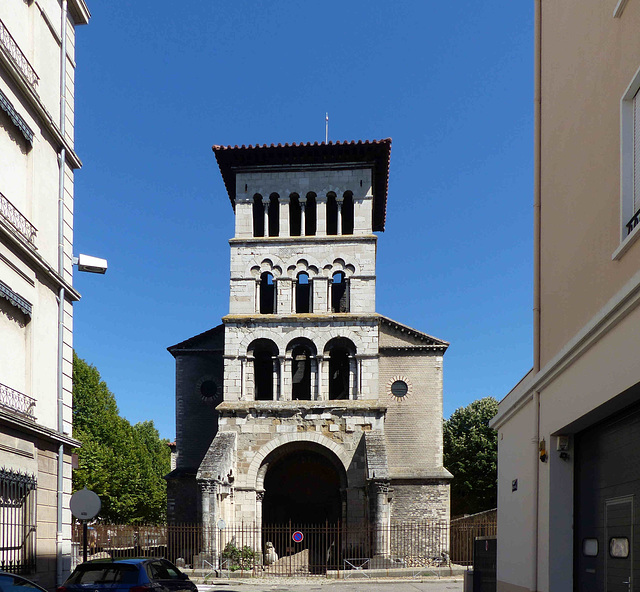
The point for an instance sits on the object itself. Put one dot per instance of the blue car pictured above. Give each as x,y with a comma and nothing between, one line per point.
12,583
128,575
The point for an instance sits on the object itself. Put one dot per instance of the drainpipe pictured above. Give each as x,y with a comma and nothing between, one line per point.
61,296
536,280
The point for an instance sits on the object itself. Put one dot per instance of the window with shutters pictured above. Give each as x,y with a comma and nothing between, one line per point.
629,166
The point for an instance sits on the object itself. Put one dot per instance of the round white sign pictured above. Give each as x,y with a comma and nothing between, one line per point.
222,524
85,504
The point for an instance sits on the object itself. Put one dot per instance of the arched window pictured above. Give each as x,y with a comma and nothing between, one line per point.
274,214
265,369
267,294
347,213
339,293
342,368
303,293
332,213
295,215
301,374
258,215
310,215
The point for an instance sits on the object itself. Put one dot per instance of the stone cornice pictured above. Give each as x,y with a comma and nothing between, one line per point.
28,425
336,407
311,240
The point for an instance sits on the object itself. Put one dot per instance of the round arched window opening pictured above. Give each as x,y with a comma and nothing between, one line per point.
399,389
208,389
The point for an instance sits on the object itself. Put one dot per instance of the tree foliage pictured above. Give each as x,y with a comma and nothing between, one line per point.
471,454
123,463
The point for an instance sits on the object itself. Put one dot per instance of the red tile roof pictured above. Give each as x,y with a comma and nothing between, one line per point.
372,152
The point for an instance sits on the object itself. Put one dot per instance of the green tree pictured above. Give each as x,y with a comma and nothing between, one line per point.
123,464
471,454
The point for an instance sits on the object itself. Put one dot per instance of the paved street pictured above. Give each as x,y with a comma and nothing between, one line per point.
324,585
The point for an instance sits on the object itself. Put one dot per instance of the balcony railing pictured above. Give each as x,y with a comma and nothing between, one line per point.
8,43
12,215
17,401
635,220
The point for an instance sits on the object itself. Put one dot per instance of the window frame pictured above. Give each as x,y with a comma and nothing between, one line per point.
627,157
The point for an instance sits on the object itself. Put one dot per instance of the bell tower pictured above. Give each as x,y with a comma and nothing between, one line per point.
303,262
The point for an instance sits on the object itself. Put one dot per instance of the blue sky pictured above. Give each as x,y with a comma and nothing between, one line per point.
158,83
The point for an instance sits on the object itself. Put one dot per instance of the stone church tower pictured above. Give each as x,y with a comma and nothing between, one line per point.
305,404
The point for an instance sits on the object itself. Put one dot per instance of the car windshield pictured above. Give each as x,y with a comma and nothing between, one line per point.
10,584
108,573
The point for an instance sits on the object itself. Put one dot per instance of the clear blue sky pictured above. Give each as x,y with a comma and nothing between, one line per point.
158,83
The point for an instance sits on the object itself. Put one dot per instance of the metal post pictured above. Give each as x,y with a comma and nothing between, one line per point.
84,541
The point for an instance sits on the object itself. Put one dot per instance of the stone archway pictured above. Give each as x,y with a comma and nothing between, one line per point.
302,485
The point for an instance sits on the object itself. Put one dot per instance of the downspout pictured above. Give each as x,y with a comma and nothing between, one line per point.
61,296
537,190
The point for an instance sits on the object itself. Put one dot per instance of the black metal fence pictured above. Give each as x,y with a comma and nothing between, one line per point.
288,549
17,522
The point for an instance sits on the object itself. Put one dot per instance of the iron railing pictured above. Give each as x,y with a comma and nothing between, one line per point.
17,401
8,43
17,522
13,216
635,219
276,550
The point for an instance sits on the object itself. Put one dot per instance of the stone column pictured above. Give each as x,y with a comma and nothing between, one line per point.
258,541
319,371
209,513
353,379
265,204
381,543
276,382
287,377
250,379
314,378
303,212
284,216
339,201
257,297
321,215
243,380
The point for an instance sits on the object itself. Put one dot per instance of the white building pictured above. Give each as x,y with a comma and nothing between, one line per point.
37,163
569,431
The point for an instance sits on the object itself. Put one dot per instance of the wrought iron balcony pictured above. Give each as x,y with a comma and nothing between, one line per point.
13,216
16,401
9,45
635,220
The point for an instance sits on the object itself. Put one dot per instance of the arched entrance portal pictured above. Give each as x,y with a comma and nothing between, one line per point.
302,486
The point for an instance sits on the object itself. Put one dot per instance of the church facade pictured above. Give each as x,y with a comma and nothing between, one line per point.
305,404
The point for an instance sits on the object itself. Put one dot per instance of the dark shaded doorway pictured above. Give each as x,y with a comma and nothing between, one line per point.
302,487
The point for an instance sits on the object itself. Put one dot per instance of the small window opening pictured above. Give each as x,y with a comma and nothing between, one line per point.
339,293
267,293
332,214
339,373
301,374
295,216
258,216
310,215
303,294
274,215
347,213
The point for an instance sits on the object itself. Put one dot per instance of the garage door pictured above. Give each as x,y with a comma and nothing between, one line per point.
607,496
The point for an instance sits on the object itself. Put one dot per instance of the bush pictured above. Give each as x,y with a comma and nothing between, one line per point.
236,558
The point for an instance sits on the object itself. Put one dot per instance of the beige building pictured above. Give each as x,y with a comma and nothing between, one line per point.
37,163
306,405
569,432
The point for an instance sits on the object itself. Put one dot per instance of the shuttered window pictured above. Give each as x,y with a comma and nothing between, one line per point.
636,153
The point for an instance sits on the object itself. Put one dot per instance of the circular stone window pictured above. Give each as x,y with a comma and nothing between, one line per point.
399,388
208,389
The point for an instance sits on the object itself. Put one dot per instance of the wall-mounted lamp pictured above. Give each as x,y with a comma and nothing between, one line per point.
542,447
90,264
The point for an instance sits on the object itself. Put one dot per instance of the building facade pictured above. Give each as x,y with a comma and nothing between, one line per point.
569,432
305,404
37,163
